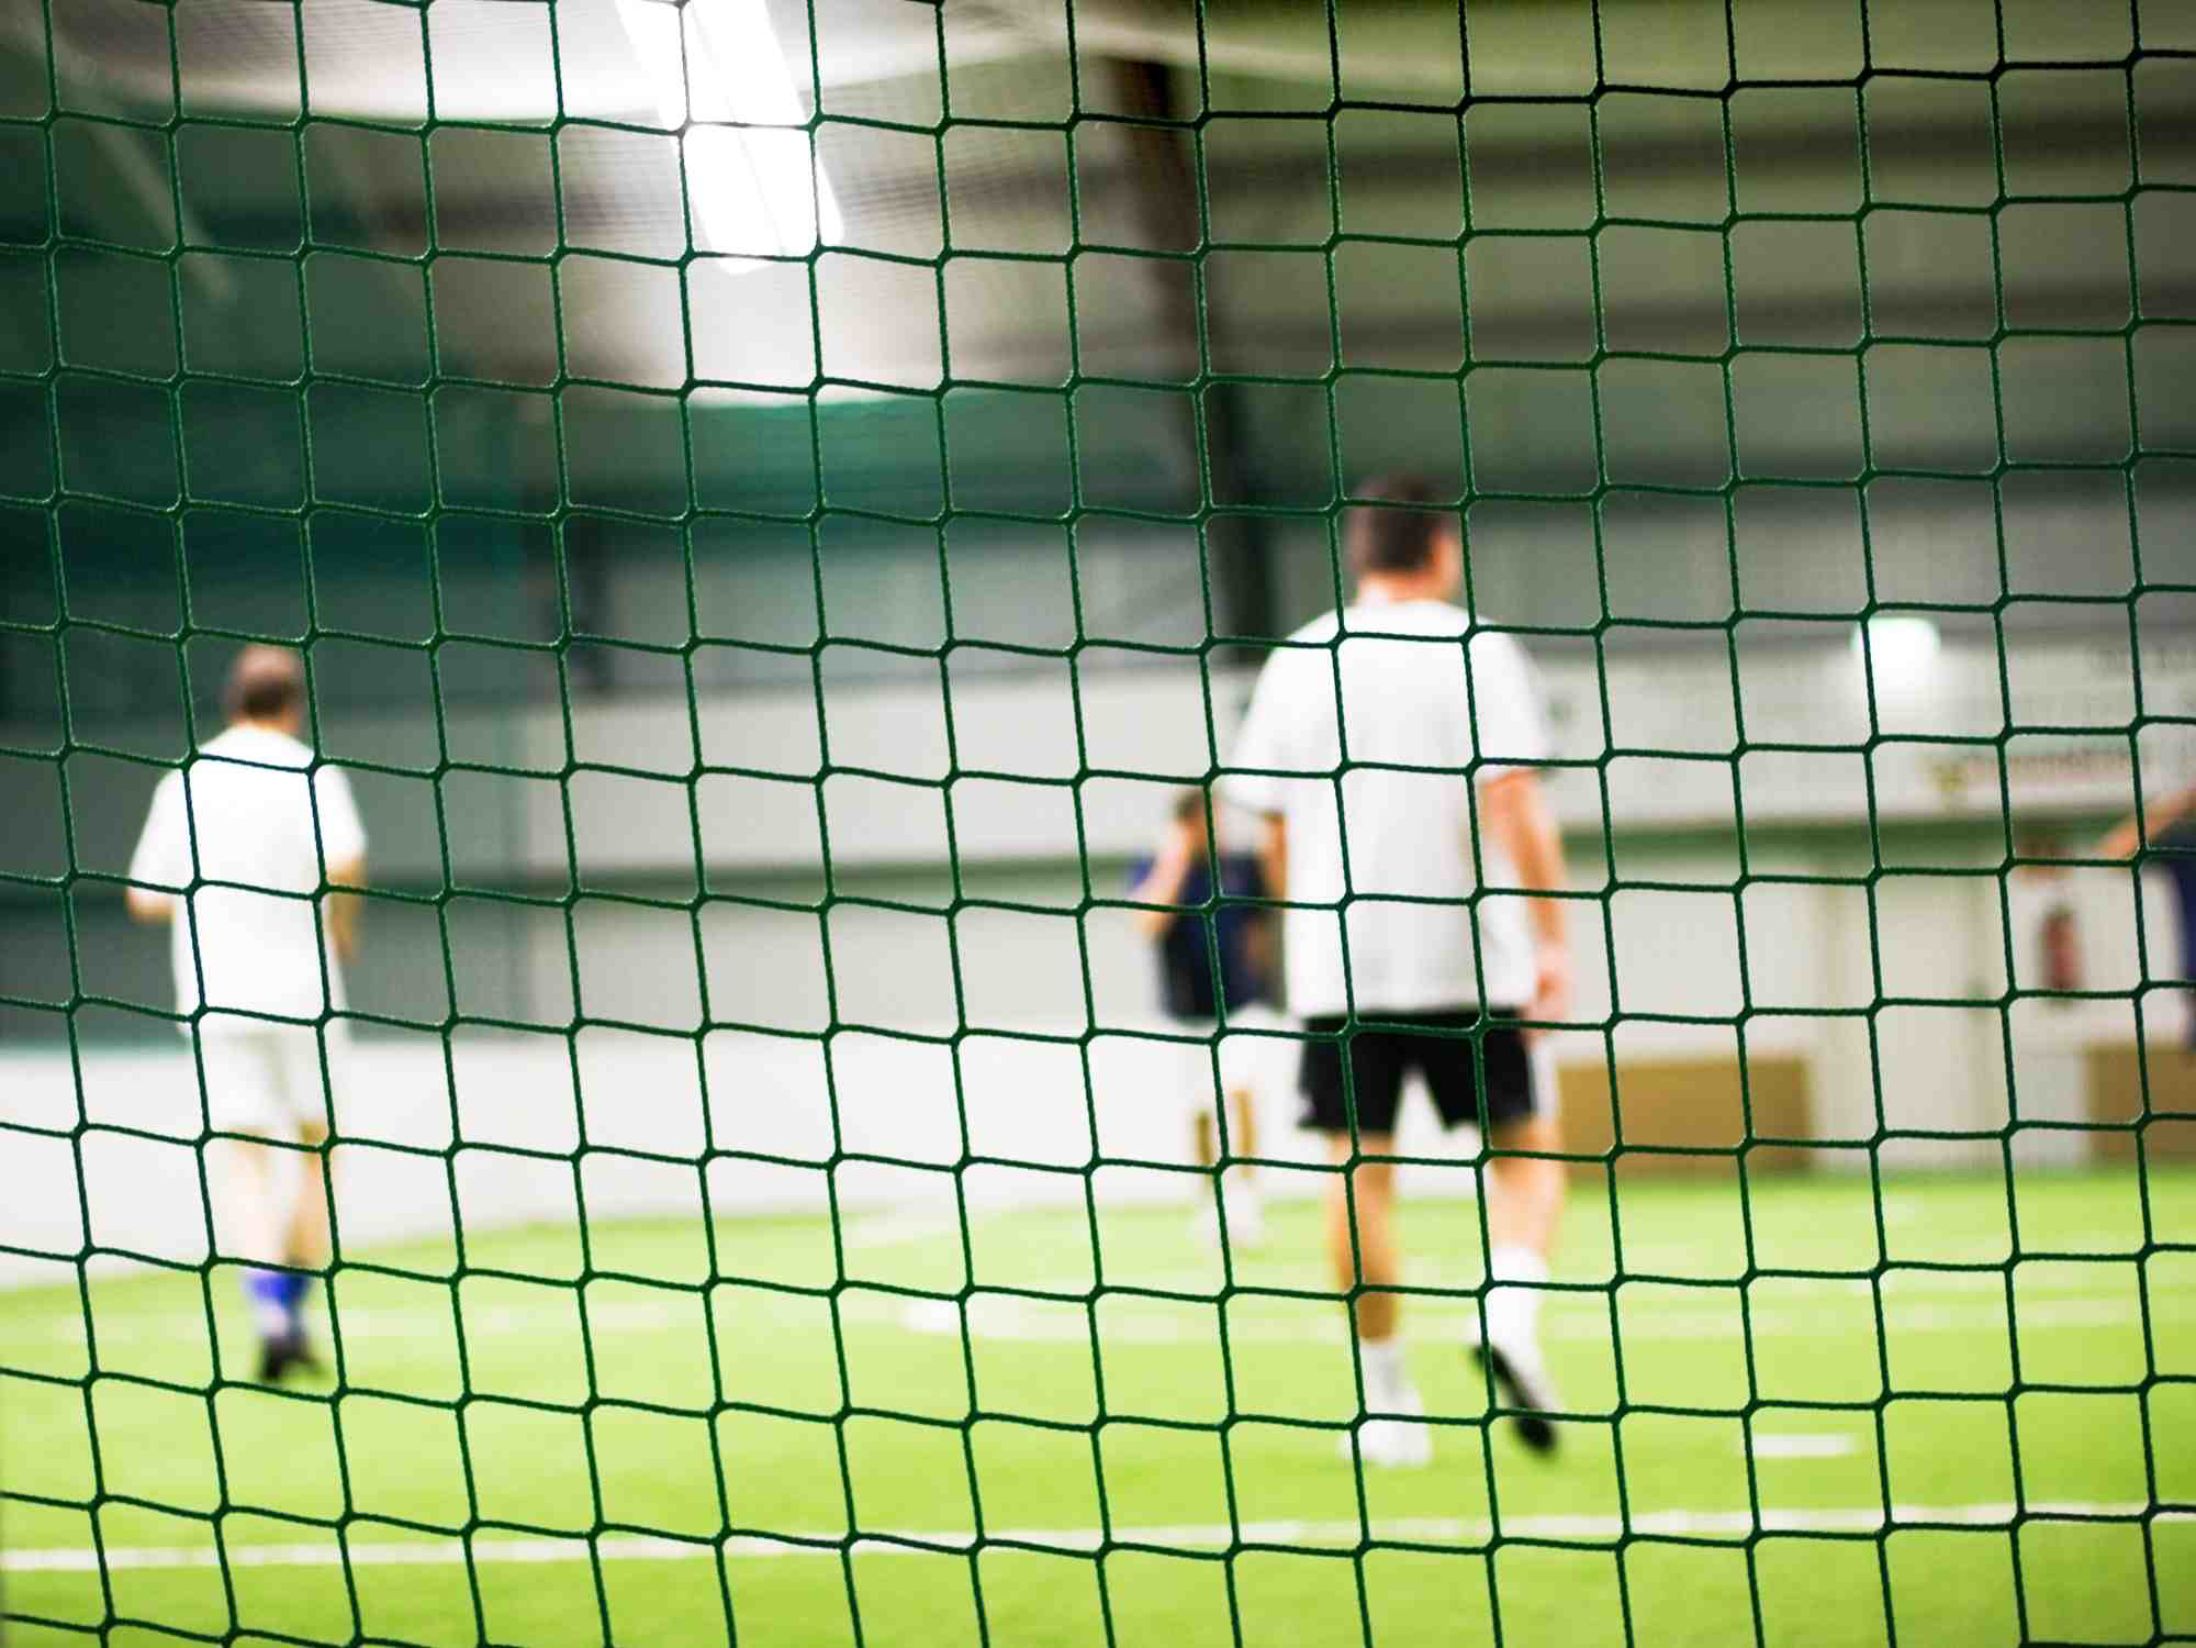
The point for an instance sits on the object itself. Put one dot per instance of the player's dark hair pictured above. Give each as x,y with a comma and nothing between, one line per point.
265,684
1395,525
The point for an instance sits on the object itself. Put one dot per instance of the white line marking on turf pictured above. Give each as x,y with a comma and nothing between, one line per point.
1802,1445
1140,1321
450,1552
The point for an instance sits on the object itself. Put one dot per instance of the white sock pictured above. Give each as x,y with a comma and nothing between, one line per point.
1513,1312
1385,1375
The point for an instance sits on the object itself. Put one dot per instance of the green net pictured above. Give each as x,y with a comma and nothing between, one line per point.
764,588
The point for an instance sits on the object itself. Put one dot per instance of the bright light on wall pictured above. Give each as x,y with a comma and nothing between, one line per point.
750,192
1901,649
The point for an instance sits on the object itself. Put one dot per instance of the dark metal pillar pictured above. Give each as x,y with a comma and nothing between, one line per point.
1165,196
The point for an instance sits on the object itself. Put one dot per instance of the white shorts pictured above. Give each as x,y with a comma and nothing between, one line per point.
267,1078
1248,1062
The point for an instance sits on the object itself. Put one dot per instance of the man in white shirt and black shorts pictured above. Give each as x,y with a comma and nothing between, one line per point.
1392,748
242,853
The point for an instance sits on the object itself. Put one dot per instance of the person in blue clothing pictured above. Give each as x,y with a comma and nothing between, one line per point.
2166,827
1213,942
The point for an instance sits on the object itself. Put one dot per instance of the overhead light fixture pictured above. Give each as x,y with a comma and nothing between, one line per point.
1900,648
720,80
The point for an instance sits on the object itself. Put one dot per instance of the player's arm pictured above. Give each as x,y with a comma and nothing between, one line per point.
1262,932
2146,824
1515,814
162,857
1273,855
1161,886
1262,748
1262,939
149,905
344,907
343,859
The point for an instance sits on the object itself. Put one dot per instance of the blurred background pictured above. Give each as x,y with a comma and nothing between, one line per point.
801,635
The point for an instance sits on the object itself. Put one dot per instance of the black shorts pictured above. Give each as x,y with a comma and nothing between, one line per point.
1387,1047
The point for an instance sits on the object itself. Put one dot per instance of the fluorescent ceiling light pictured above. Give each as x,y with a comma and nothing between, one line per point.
1901,648
717,74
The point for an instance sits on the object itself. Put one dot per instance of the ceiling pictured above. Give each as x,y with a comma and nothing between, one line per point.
1307,204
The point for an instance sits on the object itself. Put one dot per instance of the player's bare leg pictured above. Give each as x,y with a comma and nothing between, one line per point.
305,1239
1361,1233
1246,1126
1362,1248
1525,1190
281,1198
254,1170
1528,1187
1239,1199
1205,1150
306,1244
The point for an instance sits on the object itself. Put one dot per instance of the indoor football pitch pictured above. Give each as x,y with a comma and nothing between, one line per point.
1817,1409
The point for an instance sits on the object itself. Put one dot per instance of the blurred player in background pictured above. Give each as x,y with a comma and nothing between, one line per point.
2167,828
1435,742
239,853
1214,973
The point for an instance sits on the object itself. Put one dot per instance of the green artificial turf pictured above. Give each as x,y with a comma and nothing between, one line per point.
1148,1442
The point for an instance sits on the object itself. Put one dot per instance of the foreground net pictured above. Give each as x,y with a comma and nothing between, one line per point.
720,569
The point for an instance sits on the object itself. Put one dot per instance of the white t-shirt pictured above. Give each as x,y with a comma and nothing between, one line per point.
248,805
1421,687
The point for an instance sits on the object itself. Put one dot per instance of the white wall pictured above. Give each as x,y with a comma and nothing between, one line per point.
518,1128
1044,764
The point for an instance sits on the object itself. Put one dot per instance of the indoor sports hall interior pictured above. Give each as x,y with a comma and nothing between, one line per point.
770,506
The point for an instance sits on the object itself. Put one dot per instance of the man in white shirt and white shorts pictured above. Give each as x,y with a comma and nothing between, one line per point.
242,853
1392,748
